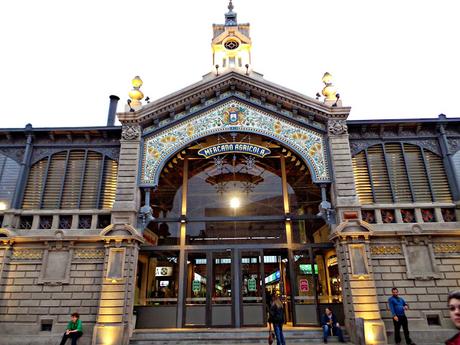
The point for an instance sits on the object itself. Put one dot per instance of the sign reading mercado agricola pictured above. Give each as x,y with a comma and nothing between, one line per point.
220,149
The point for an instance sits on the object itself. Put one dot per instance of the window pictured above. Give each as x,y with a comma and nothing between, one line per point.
231,45
400,173
9,172
158,279
234,197
74,179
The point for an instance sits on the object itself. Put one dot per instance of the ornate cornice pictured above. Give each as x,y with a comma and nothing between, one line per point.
212,86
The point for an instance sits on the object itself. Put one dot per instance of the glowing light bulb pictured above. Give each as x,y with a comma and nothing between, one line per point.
234,202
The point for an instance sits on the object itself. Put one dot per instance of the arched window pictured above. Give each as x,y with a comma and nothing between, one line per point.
73,179
400,173
9,172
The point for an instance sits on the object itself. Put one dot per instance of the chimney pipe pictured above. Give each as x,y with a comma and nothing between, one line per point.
112,110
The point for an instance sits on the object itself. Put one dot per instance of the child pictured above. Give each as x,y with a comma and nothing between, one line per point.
74,329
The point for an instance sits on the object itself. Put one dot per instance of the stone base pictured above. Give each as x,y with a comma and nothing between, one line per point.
431,336
48,339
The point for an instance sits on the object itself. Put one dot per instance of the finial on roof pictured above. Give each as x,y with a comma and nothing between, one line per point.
136,94
230,6
330,92
230,16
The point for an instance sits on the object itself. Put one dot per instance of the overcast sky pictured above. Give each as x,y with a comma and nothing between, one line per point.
61,59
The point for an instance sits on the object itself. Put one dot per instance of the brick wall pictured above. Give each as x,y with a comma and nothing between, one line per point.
24,302
424,297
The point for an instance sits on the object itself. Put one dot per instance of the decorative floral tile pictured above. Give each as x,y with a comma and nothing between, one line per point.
233,117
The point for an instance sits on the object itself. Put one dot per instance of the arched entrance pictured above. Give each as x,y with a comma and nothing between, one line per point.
236,219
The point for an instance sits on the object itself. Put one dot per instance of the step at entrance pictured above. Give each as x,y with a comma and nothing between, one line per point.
226,336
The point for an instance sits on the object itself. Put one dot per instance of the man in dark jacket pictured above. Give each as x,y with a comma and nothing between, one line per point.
398,306
453,301
329,322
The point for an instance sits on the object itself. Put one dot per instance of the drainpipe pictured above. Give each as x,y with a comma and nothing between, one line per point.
448,160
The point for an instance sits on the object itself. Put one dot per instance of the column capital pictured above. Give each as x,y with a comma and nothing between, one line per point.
337,126
131,132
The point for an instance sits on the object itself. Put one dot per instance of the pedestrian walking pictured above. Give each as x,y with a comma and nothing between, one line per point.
277,319
329,323
453,302
74,329
398,307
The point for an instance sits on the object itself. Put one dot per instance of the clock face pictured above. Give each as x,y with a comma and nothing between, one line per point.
231,45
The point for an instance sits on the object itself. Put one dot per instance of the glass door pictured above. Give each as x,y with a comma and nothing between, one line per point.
305,288
277,279
196,301
252,288
329,282
222,291
209,300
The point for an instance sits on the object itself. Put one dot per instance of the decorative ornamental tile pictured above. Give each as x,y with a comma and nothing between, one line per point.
234,117
26,254
446,248
386,250
89,254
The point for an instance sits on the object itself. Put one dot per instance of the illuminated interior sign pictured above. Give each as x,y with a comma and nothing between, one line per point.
273,277
306,268
199,278
332,261
238,147
163,272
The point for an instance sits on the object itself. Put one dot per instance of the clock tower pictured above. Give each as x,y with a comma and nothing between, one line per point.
231,45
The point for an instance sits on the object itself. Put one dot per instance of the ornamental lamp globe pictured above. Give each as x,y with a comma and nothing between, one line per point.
137,82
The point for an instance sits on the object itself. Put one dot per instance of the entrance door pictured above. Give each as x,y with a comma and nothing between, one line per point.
252,288
210,289
198,290
316,284
277,279
222,290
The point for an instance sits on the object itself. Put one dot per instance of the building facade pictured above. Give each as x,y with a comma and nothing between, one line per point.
207,201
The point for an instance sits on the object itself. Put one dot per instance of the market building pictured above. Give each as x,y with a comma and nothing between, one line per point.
206,201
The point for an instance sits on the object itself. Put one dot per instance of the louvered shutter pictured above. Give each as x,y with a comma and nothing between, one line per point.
362,179
91,181
419,179
397,173
109,184
379,175
73,177
54,181
439,182
35,184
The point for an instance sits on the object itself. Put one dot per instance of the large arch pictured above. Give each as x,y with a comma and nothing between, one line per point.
234,116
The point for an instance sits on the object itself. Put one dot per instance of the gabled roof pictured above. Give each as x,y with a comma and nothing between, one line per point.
252,85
